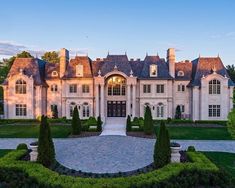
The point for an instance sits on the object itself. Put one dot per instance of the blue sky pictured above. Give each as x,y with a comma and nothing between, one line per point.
133,26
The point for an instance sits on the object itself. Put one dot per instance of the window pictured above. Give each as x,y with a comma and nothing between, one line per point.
54,88
147,88
160,110
153,70
73,88
181,87
180,73
182,108
214,87
54,73
79,70
21,110
85,110
160,88
85,88
20,87
214,111
116,85
71,108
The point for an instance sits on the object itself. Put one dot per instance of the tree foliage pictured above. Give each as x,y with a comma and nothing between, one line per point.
231,123
46,151
51,57
178,112
231,71
99,124
162,150
148,121
128,123
76,122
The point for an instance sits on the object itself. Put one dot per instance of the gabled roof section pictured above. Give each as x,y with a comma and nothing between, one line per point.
82,60
204,66
50,67
186,67
31,67
162,68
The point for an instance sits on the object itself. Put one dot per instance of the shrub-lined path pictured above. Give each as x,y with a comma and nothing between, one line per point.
109,154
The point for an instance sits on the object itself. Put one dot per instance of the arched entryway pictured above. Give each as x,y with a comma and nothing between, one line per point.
116,96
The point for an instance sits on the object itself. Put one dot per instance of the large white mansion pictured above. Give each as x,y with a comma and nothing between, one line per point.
117,86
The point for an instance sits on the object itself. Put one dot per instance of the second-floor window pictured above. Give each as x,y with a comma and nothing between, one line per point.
147,88
20,87
214,87
54,88
160,88
85,88
181,87
73,88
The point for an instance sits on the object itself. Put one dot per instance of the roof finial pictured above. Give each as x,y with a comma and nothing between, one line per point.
199,55
76,54
36,55
214,69
157,54
108,52
146,53
218,54
131,73
99,73
125,53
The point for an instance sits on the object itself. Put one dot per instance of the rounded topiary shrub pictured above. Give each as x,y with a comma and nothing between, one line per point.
22,146
191,149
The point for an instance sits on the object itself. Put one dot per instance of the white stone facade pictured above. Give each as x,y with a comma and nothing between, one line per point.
162,95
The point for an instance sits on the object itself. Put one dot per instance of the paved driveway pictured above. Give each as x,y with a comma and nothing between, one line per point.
109,154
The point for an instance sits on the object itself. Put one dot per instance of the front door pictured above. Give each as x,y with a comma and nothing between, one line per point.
116,108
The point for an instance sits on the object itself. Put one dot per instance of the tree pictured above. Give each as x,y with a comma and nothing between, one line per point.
162,150
99,124
76,122
51,57
148,121
231,71
24,54
46,151
178,112
128,123
231,123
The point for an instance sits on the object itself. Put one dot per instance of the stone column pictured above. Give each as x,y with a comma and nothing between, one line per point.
133,100
128,101
102,105
97,113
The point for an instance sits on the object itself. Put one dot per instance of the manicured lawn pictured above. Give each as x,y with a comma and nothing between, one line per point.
4,152
199,133
31,131
223,160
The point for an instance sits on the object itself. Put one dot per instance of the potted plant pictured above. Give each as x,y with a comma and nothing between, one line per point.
34,153
175,155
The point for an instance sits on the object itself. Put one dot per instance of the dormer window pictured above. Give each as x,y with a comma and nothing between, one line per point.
153,71
79,70
180,73
54,73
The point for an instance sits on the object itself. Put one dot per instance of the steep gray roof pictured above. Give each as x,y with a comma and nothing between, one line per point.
204,66
31,67
50,67
186,67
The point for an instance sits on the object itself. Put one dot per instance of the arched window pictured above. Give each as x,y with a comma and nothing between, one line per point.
153,71
54,73
54,88
180,73
214,87
116,85
71,108
20,87
85,110
160,110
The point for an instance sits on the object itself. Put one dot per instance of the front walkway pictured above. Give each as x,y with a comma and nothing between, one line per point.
110,154
114,126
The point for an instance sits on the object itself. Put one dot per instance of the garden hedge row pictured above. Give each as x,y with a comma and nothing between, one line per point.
202,172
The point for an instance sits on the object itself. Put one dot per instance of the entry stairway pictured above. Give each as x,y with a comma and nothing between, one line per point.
114,126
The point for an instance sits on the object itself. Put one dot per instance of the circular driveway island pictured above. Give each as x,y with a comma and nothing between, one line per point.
105,154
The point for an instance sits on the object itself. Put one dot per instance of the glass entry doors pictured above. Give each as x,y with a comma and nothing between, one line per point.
116,108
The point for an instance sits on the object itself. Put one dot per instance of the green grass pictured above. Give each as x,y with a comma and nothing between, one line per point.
198,133
4,152
31,131
223,160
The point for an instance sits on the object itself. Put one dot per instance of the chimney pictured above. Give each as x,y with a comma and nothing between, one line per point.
64,60
171,61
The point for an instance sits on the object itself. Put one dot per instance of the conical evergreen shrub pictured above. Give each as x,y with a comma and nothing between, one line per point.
162,150
76,122
148,121
128,123
46,151
99,124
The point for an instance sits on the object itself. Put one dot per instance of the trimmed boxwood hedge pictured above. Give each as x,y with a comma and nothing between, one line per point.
201,171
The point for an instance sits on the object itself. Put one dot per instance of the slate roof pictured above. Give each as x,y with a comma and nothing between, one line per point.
31,67
50,67
204,66
186,67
